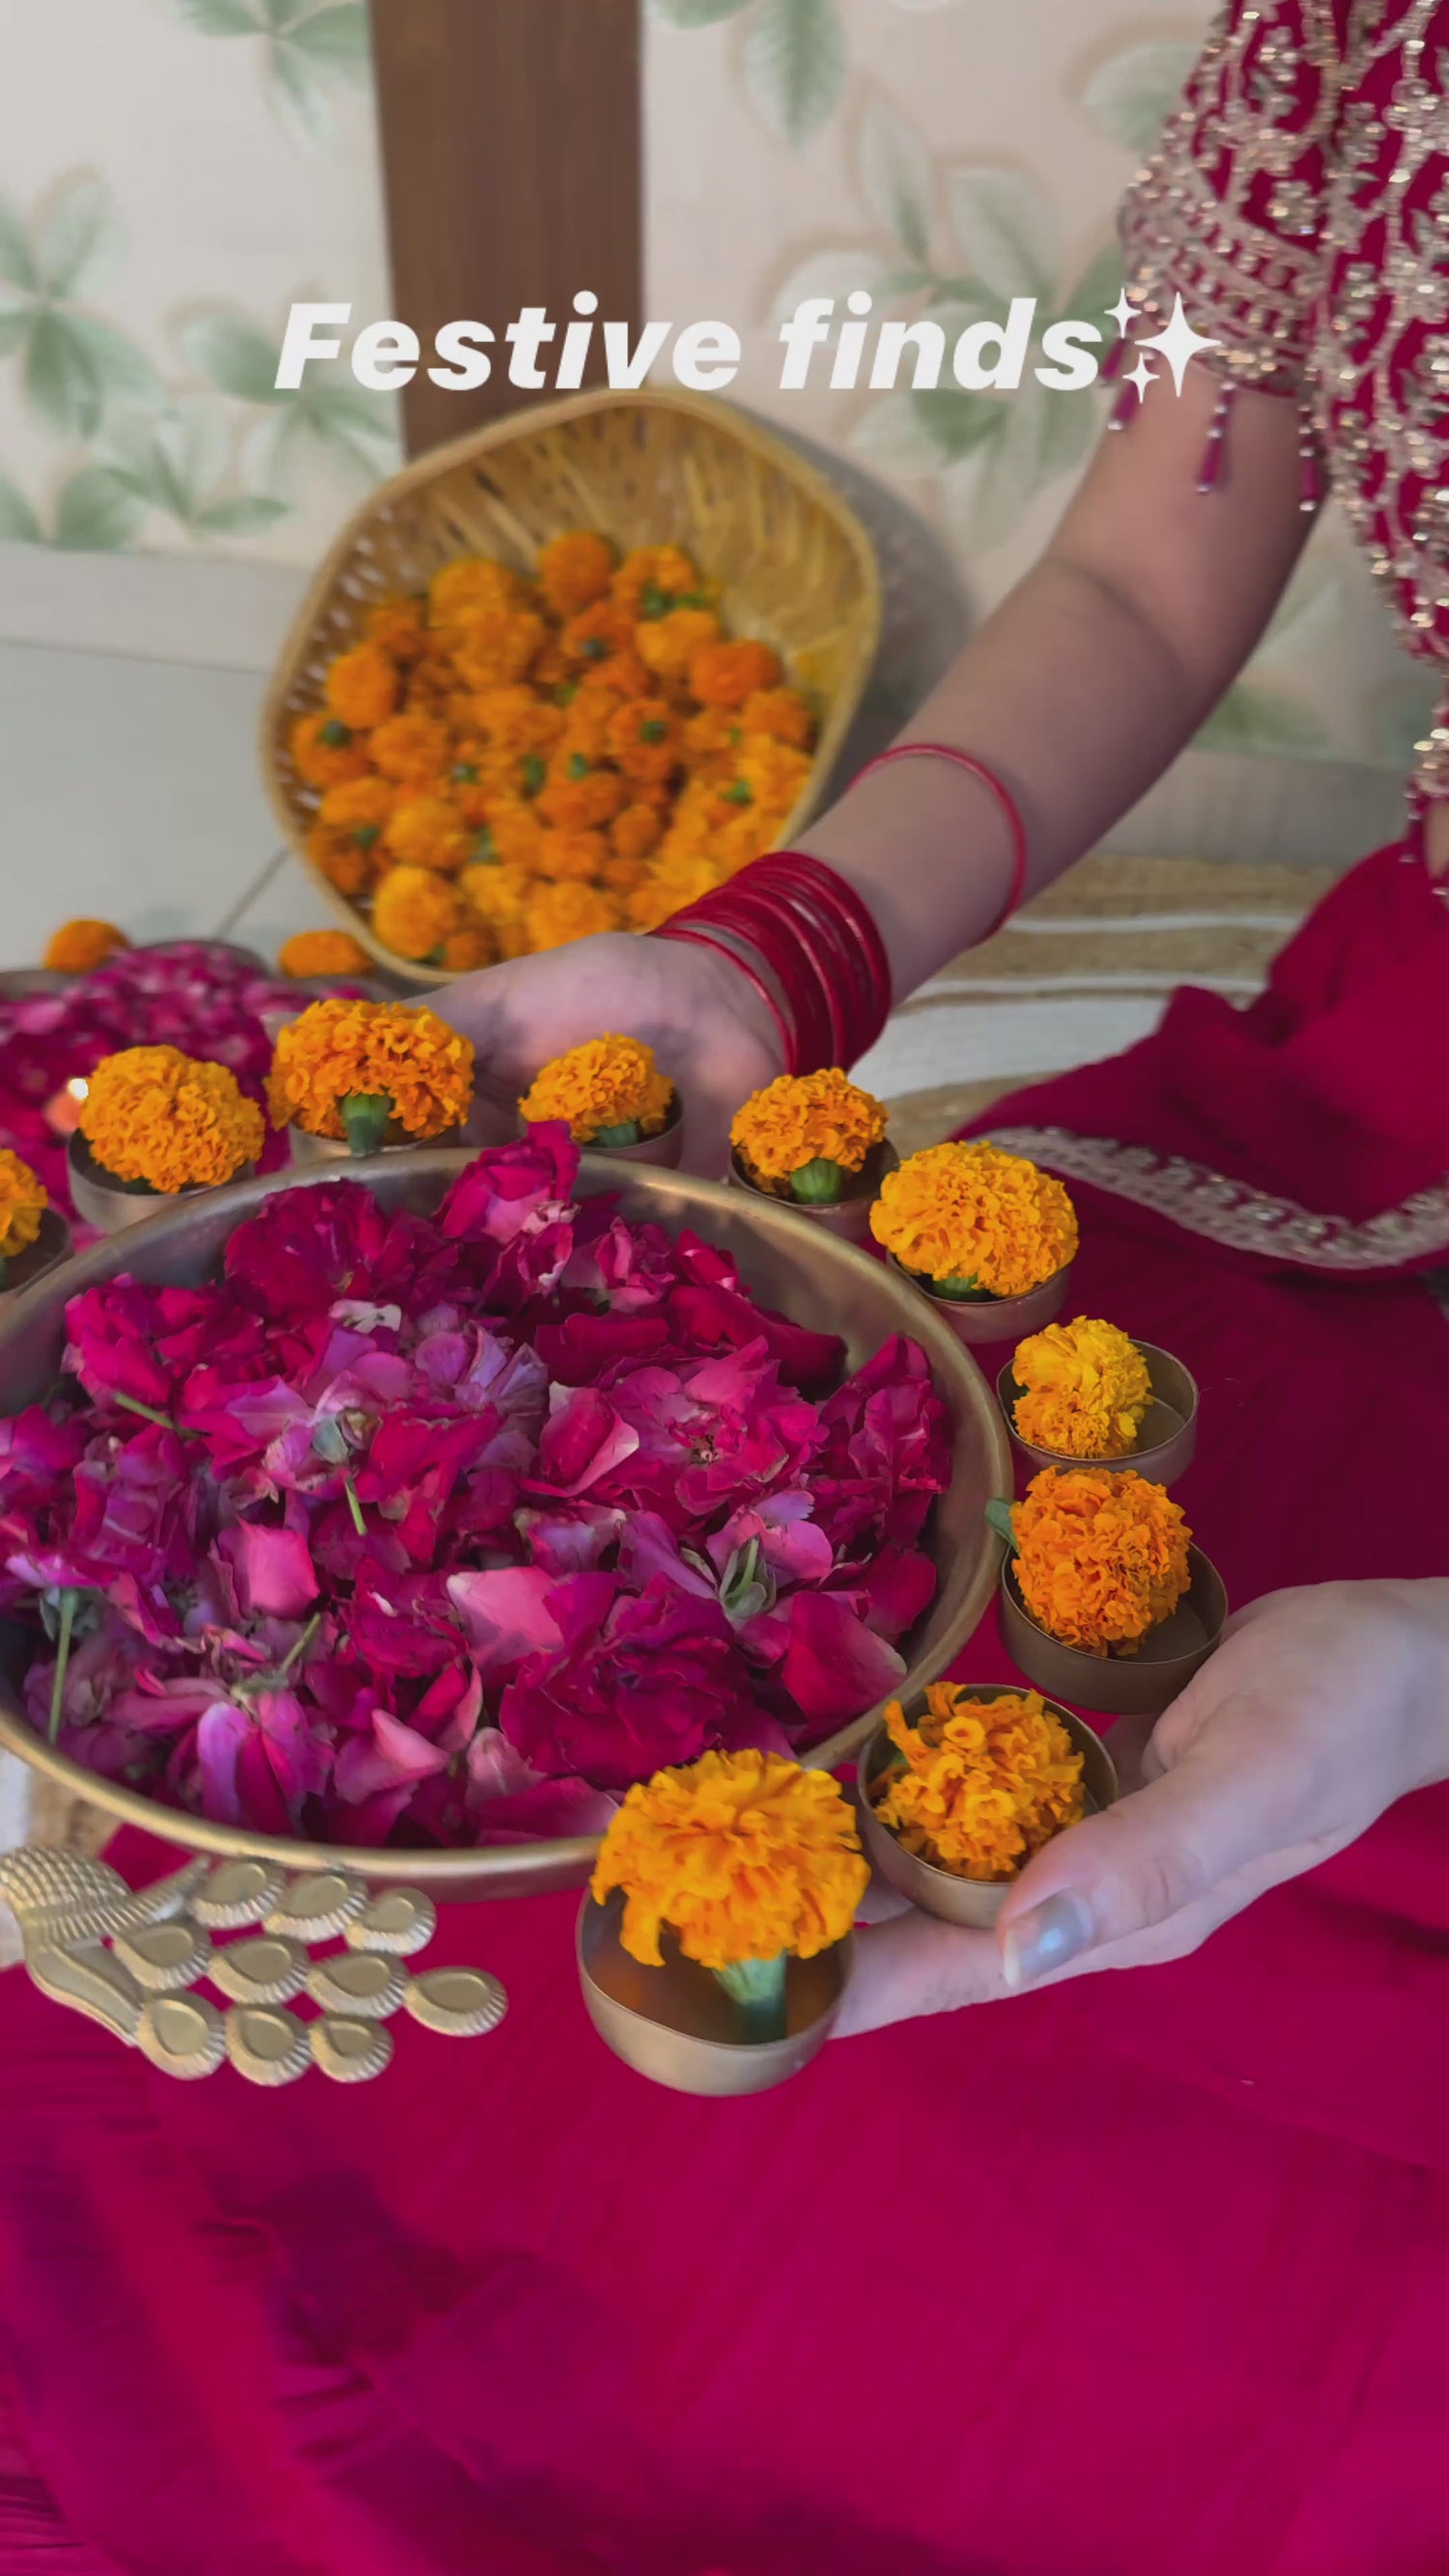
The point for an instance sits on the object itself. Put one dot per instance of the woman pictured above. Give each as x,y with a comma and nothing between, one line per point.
1141,2272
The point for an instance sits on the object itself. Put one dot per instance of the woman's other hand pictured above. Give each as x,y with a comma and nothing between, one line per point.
709,1029
1321,1707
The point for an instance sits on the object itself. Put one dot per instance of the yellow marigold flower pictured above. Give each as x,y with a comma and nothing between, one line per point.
775,775
724,675
651,579
493,648
80,945
782,713
635,832
472,584
496,896
576,798
667,645
359,808
986,1782
429,832
606,1083
155,1115
515,834
576,857
741,1855
1085,1390
573,570
412,748
324,752
806,1118
341,1051
1101,1556
644,739
746,836
23,1202
362,688
414,910
309,953
556,915
668,887
970,1216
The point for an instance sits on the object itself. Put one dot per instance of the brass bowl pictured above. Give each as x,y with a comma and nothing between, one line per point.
849,1215
107,1204
1140,1685
674,2023
789,1266
1166,1442
975,1902
994,1319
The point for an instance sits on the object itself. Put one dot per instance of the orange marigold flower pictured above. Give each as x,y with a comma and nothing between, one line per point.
669,644
467,948
573,570
635,832
414,911
342,1051
556,915
80,945
359,809
23,1202
805,1118
494,648
970,1217
623,875
552,669
741,1856
576,798
362,687
324,752
311,953
340,858
515,720
155,1115
1085,1389
598,633
514,833
644,739
397,624
712,742
429,832
607,1082
668,887
571,856
414,749
651,578
474,585
1101,1556
782,713
986,1781
496,897
724,675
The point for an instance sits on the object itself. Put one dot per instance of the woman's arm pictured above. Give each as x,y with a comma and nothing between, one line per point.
1088,679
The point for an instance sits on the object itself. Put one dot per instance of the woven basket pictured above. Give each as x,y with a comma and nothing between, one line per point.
794,565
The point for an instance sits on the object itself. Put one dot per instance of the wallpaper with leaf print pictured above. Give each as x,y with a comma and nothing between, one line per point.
947,155
173,173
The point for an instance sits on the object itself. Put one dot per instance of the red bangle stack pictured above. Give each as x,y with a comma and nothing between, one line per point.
817,945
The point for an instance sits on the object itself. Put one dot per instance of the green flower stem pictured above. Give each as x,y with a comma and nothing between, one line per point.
959,1288
816,1184
69,1602
998,1513
148,1413
354,1506
758,1987
295,1652
627,1134
366,1116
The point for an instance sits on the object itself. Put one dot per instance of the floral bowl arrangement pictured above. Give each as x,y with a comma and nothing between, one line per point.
1084,1394
1105,1601
985,1235
957,1797
817,1142
400,1523
155,1123
613,1098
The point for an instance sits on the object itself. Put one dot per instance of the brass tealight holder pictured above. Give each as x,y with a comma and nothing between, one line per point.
677,2025
1140,1685
849,1215
1166,1441
46,1253
994,1319
100,1200
973,1902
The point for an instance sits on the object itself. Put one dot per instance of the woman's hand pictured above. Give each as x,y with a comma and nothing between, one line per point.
1321,1707
706,1023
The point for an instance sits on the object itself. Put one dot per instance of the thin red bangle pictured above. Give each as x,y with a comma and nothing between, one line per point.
978,769
809,929
698,938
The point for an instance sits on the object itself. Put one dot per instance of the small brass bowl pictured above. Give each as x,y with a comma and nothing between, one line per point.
1167,1441
975,1902
1140,1685
663,1150
995,1319
849,1215
677,2025
108,1205
50,1248
308,1149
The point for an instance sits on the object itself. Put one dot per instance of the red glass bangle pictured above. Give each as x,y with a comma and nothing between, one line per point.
697,938
977,768
813,934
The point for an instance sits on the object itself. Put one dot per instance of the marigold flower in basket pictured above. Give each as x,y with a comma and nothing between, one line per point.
609,1090
981,1784
805,1134
1085,1389
748,1860
78,946
1101,1556
23,1202
975,1222
165,1121
348,1069
310,954
415,912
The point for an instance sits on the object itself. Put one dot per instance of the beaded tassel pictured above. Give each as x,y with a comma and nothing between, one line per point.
1209,472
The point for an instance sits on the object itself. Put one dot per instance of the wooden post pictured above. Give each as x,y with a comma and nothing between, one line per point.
511,138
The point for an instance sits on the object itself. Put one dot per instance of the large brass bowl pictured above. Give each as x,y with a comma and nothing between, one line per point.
804,1271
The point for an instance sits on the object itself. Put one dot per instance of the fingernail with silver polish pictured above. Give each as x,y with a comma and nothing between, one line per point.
1055,1931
